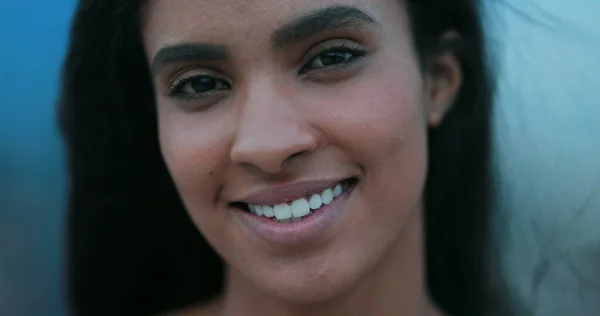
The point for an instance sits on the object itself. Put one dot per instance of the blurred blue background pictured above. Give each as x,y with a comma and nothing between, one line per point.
32,180
547,154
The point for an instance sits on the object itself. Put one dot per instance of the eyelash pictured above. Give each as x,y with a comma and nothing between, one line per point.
344,48
179,84
356,53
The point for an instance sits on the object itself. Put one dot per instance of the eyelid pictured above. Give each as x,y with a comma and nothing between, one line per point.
332,44
191,72
182,76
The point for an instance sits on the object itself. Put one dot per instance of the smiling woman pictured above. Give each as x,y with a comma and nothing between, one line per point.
272,157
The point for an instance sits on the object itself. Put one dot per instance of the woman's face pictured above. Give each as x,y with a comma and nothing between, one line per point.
314,109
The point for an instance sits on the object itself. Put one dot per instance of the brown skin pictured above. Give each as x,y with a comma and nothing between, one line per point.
268,123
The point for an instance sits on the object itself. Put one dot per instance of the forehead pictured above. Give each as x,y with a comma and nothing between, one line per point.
222,21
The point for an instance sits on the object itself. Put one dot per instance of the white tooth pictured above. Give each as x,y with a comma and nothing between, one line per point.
252,209
258,210
327,196
300,208
268,211
337,191
282,211
315,201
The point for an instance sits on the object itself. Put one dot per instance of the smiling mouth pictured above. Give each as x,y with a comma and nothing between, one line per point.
301,208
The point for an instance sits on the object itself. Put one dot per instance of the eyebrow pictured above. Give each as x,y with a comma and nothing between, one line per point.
329,18
301,28
188,52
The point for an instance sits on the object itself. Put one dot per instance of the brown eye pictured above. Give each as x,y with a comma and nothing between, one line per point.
329,59
334,57
196,86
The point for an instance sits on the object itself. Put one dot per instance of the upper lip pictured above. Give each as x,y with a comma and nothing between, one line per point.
287,192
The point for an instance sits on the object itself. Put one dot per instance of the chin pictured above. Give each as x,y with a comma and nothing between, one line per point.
308,280
309,287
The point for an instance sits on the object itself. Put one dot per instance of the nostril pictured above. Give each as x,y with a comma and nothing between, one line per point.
293,157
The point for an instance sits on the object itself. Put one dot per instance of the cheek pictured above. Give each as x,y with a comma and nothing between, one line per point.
380,118
194,152
380,122
377,123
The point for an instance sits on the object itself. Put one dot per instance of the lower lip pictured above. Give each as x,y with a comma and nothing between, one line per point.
305,231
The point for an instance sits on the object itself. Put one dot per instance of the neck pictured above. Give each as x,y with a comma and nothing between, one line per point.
396,286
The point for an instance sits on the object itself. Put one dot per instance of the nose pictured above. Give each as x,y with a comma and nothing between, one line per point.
270,132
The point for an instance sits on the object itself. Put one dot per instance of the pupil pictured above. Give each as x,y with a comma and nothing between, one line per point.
333,58
203,84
